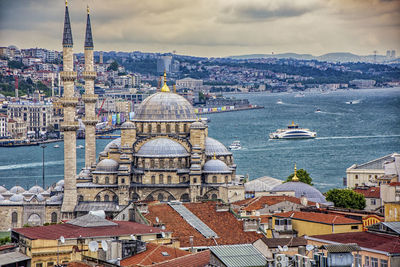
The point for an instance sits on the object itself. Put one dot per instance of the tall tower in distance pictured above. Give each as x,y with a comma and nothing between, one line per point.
89,98
69,125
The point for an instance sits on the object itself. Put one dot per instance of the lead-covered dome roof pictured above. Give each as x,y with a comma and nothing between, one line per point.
216,166
2,189
162,147
107,165
214,147
36,189
17,198
17,189
165,106
113,143
301,189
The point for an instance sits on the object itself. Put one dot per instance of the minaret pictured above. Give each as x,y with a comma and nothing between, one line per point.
69,125
89,98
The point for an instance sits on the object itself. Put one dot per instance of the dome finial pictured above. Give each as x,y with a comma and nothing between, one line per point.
214,156
165,87
87,9
295,178
66,2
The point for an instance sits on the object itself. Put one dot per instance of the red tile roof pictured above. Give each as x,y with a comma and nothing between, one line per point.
53,232
198,259
260,202
317,217
381,242
370,192
153,255
224,224
394,184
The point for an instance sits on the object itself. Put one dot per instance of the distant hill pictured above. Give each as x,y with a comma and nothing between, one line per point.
331,57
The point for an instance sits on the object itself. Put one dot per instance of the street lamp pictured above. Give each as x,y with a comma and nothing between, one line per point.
43,146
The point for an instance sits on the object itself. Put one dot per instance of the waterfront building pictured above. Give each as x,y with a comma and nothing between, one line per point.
3,125
372,197
17,128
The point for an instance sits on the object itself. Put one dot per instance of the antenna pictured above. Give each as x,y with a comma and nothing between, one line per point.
62,239
133,237
309,247
280,248
104,245
285,248
157,220
93,246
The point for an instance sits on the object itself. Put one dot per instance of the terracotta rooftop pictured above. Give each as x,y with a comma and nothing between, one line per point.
53,232
317,217
381,242
394,184
260,202
224,224
290,242
153,254
370,192
198,259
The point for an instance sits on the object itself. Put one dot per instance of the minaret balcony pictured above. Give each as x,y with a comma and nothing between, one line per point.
89,98
89,75
69,101
69,126
68,75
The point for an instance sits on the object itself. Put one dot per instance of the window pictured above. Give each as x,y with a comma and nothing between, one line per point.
39,264
374,262
384,263
54,217
194,180
226,179
153,179
107,180
169,179
214,196
366,260
97,198
160,197
171,163
50,264
122,181
161,163
149,128
177,128
161,179
106,198
152,164
115,198
158,128
97,179
356,176
214,179
354,227
168,128
373,201
80,198
357,260
14,217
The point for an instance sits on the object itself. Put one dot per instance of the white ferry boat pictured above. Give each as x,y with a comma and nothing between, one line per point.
235,145
292,132
279,102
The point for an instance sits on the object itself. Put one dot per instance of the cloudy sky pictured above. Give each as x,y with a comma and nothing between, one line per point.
211,28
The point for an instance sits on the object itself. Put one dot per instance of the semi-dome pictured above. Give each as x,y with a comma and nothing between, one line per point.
216,166
301,189
17,189
17,198
107,165
165,106
60,183
162,147
128,125
84,173
116,142
2,189
36,189
214,147
56,198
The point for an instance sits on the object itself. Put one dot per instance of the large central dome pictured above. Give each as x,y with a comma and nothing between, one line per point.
165,106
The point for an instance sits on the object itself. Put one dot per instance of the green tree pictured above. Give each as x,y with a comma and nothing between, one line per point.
346,198
303,176
113,66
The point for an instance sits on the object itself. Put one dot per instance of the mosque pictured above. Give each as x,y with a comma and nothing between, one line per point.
164,154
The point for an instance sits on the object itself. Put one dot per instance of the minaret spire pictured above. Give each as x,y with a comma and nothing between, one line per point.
67,36
88,37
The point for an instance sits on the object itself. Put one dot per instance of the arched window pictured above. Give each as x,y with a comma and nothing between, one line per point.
177,128
150,198
143,163
14,217
356,176
107,180
226,179
149,128
122,180
115,199
185,127
169,179
135,197
152,164
214,196
153,179
160,197
158,128
161,179
171,163
97,198
205,197
97,179
106,198
54,217
185,198
161,163
168,128
171,198
214,179
80,198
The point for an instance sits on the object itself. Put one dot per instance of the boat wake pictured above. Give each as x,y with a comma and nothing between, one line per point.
32,165
357,137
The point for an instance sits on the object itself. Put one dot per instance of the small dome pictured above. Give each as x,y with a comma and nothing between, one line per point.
115,141
216,166
107,165
215,147
60,183
45,193
84,173
197,125
165,106
58,188
17,190
56,198
301,189
40,197
128,125
17,198
162,147
7,194
2,189
36,189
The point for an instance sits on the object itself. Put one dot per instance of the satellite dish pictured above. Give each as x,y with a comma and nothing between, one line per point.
285,248
163,227
280,248
157,220
133,237
104,245
62,239
93,246
163,234
309,247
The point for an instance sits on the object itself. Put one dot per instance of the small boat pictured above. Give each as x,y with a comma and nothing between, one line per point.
279,101
56,146
80,146
353,102
292,132
317,110
301,94
235,145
